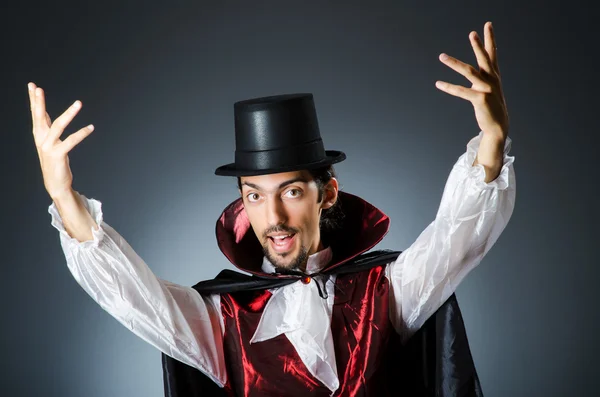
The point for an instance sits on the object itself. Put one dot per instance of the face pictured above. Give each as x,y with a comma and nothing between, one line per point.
284,212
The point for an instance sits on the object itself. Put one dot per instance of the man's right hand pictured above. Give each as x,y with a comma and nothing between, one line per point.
54,160
53,152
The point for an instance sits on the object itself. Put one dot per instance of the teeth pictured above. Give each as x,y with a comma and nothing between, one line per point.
280,237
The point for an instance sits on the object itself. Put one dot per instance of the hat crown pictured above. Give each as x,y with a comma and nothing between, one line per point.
275,122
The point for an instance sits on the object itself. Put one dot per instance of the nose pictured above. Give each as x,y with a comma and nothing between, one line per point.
275,212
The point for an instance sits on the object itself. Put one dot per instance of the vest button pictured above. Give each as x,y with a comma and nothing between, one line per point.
306,279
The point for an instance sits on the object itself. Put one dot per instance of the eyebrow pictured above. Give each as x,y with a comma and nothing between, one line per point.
281,185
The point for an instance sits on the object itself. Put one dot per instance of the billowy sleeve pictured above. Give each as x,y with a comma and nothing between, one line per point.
471,216
175,319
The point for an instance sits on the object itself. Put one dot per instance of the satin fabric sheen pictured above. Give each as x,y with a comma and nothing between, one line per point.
361,331
274,361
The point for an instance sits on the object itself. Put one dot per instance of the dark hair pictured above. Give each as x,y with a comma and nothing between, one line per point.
330,217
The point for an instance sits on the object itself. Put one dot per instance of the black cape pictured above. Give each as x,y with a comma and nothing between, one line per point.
436,360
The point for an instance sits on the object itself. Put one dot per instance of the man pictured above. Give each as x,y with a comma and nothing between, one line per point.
322,314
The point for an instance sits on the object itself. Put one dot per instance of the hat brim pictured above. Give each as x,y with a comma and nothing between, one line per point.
332,157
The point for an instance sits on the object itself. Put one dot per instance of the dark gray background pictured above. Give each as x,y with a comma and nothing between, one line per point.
159,85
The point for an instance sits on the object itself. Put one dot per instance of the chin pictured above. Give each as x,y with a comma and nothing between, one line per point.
282,259
293,259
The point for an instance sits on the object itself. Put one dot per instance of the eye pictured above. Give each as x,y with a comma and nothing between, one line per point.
252,197
293,193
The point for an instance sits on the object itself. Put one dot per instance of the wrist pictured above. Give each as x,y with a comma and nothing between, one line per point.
62,195
497,135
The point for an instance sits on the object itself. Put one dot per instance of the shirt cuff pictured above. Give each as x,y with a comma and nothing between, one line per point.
477,172
94,207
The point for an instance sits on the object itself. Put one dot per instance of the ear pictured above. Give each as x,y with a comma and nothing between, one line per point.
330,195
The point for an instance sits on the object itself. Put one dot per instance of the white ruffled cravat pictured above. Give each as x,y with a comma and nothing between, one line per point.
298,311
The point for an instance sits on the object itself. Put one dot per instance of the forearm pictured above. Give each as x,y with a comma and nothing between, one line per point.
174,318
490,155
76,219
471,216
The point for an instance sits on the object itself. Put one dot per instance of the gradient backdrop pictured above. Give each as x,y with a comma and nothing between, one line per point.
159,84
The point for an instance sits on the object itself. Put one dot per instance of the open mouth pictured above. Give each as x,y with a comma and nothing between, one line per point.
282,243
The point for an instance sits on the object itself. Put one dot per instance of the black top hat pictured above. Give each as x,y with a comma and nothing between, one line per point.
277,134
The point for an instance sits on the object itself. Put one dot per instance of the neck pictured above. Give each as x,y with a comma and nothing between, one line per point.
319,247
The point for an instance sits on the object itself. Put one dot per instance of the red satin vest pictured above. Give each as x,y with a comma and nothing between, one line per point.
361,333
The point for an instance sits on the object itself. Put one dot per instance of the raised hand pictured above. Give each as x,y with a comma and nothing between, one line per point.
486,91
53,152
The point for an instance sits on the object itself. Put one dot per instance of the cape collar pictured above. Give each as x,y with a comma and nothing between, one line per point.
361,228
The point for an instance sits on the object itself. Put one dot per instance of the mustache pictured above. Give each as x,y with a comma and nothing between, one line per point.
278,229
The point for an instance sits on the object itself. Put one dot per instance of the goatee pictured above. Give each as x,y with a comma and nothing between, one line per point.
296,264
